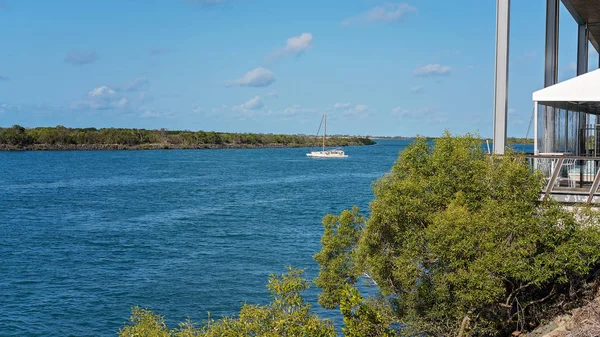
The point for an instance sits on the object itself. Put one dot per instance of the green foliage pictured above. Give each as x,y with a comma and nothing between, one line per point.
459,241
143,322
338,244
16,135
361,318
61,136
519,140
286,315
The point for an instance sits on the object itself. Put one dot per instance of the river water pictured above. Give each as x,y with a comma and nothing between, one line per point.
86,235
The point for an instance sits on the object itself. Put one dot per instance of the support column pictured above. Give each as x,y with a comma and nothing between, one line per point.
536,150
582,49
501,77
550,69
582,68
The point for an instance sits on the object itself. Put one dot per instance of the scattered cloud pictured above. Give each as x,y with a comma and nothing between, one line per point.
152,113
350,110
101,98
426,114
419,89
241,112
102,91
295,110
6,108
253,103
386,13
295,45
338,106
402,112
158,51
138,84
198,109
41,110
79,58
143,97
273,94
361,107
432,70
259,77
4,78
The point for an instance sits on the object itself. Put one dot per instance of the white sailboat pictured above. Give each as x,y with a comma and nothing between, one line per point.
335,153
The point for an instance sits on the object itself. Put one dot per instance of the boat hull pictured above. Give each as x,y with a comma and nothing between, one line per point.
326,154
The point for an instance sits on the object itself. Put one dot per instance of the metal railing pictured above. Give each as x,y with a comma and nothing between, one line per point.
572,179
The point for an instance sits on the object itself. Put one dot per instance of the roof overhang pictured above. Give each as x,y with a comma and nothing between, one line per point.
586,12
581,93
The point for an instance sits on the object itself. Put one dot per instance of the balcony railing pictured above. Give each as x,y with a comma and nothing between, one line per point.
570,179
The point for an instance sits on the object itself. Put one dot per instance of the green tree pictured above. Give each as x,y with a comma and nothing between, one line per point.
287,315
17,135
459,243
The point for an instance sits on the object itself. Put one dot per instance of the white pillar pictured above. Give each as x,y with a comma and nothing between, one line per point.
536,151
501,77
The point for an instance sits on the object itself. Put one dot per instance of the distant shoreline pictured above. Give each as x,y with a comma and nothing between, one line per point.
510,140
60,138
143,147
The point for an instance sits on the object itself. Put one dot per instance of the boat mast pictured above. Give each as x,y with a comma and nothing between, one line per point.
324,130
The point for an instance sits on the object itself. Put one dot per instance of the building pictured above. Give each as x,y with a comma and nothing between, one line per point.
566,131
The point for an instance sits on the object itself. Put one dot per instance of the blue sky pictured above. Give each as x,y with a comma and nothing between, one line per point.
270,66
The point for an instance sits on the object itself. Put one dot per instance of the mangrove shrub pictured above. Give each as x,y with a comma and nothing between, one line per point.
459,243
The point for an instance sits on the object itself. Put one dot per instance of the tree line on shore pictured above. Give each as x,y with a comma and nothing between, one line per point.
63,137
457,243
509,140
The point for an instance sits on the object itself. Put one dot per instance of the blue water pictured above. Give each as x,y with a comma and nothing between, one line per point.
84,236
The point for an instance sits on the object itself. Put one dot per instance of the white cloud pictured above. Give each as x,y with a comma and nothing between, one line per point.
426,114
386,13
295,45
417,89
152,113
198,109
341,105
295,112
259,77
361,107
432,70
350,110
253,103
273,94
101,98
102,91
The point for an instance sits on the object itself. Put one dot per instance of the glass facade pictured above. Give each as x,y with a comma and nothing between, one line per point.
562,130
